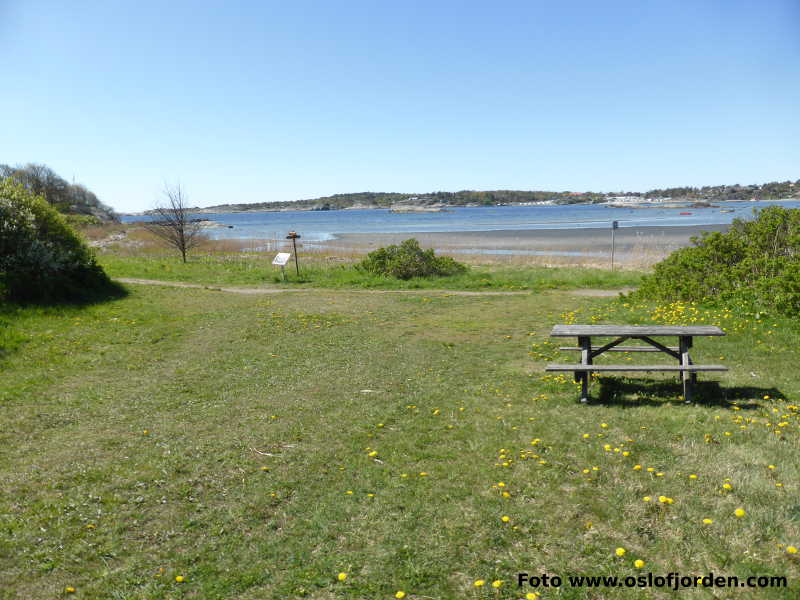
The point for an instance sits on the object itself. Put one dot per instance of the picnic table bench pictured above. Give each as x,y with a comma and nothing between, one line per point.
645,333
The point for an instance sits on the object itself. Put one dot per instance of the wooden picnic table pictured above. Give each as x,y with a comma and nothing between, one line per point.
645,333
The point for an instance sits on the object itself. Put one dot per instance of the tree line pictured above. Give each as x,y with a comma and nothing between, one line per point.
775,190
67,198
767,191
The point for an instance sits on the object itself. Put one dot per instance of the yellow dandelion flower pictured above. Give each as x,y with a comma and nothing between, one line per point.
637,467
650,469
791,549
341,576
69,589
638,563
604,425
400,594
707,521
739,512
505,518
479,582
770,466
727,486
620,551
647,498
180,579
373,453
531,596
497,583
692,476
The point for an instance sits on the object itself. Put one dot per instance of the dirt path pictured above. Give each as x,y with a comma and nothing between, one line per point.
277,290
590,292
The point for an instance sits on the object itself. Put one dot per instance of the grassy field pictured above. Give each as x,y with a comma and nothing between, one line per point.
321,272
183,443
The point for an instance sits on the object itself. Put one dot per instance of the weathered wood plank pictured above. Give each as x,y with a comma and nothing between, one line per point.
633,330
662,347
601,349
586,358
621,348
615,368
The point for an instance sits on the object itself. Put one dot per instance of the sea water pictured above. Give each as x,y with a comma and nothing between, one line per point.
326,225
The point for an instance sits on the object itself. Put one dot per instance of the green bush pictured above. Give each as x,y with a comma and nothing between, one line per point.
756,263
41,257
82,221
409,260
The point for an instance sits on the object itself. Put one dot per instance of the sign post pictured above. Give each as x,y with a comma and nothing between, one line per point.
614,227
294,236
280,260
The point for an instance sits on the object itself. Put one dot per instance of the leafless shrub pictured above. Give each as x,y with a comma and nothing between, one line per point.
173,223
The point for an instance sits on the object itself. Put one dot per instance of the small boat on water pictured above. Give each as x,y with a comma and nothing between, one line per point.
685,213
726,210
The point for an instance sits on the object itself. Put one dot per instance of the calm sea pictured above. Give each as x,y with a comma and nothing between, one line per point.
325,225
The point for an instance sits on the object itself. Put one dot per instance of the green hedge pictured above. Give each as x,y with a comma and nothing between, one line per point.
41,258
756,263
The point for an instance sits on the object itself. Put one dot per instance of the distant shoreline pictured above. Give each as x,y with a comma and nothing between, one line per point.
667,205
564,240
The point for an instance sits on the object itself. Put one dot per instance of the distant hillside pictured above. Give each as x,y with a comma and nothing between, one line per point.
67,198
387,199
767,191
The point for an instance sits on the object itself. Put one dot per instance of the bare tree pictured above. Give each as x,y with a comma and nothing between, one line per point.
173,224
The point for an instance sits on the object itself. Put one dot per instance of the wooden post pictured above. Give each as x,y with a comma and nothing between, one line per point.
614,225
585,342
293,235
685,343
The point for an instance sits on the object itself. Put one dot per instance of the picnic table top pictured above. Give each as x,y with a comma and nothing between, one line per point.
633,330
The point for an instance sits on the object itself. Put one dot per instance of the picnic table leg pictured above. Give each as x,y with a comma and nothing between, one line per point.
585,343
688,378
693,375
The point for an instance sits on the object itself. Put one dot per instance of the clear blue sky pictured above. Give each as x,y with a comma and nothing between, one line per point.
260,101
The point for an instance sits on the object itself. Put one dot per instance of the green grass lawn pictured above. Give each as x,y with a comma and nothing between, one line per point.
317,272
259,446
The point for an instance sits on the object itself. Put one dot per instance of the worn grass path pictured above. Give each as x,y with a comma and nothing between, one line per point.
278,290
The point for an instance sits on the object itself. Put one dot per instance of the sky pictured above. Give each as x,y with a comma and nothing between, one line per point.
274,101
